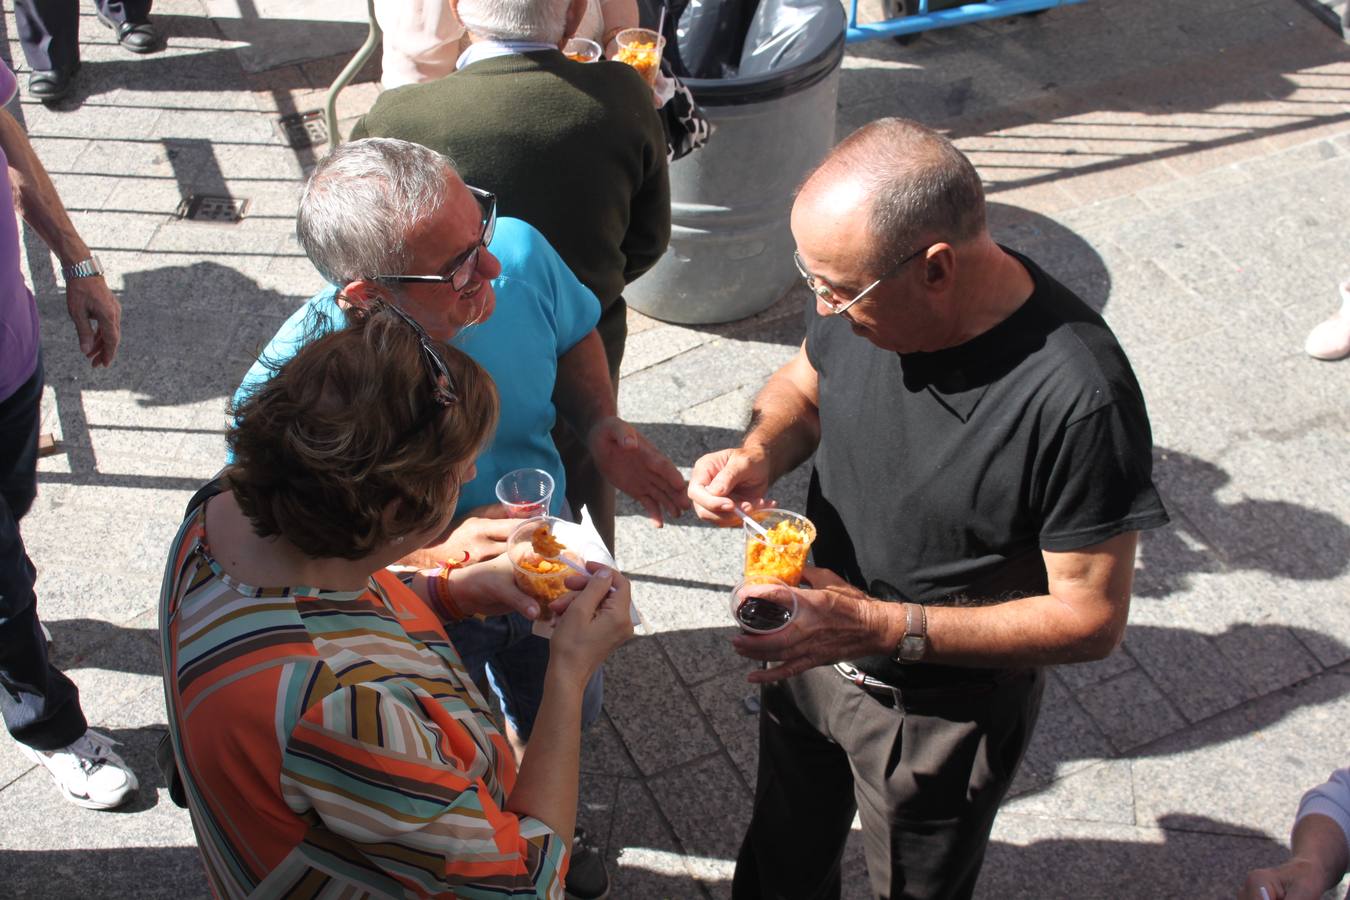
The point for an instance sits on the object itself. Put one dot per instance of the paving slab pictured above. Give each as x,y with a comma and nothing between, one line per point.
276,32
1184,167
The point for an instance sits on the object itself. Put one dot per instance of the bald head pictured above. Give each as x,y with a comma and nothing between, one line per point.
912,184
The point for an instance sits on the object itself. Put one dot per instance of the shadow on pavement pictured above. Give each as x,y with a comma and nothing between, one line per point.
189,334
1198,858
1276,536
96,644
152,873
1179,87
210,70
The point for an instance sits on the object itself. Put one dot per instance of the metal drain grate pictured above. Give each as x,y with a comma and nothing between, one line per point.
303,129
211,208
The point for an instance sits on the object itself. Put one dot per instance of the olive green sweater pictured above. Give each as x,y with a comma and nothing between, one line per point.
575,149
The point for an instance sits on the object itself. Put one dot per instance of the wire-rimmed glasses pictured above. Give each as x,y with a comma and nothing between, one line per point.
829,294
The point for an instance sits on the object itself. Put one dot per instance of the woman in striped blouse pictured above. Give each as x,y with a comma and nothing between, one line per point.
330,742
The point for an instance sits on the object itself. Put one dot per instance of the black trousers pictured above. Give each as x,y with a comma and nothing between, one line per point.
49,30
585,485
925,770
40,706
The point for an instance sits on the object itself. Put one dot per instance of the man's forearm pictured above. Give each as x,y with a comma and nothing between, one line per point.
1082,618
35,196
1031,631
584,394
784,426
1320,840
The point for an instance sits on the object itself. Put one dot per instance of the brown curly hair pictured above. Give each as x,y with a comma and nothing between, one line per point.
345,448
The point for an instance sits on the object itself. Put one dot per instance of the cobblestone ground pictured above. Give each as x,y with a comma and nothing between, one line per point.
1185,167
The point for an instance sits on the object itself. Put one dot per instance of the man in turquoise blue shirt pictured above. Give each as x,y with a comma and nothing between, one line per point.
390,221
541,314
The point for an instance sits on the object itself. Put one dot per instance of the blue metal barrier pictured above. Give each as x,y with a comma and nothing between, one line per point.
923,20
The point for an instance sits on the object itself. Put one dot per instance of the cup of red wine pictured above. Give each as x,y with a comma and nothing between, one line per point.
763,605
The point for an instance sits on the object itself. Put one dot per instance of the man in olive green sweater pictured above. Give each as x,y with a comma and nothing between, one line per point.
575,149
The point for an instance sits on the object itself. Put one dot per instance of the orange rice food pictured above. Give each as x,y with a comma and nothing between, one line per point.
544,543
781,555
641,55
537,569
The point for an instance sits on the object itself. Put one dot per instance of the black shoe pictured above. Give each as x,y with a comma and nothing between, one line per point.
50,85
138,37
586,875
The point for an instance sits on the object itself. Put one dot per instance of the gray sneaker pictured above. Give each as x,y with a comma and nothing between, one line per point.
88,772
586,875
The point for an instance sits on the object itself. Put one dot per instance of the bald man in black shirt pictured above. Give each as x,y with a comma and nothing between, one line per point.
982,471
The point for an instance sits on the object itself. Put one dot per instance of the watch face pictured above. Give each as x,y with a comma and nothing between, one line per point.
912,647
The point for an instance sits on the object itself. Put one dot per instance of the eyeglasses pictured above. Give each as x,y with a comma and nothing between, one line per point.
442,385
828,293
463,266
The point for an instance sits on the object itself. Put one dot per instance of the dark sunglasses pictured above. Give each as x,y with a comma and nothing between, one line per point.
442,385
464,265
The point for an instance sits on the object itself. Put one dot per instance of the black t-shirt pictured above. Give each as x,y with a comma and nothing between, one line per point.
940,477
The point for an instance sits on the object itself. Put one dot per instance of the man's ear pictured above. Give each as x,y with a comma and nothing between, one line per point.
362,293
939,265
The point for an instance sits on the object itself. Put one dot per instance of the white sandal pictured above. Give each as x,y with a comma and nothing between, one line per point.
1331,339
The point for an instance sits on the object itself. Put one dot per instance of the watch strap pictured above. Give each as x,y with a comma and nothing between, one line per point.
913,644
85,268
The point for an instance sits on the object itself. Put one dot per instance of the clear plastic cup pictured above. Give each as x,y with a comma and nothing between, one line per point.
582,50
783,554
641,48
543,578
763,605
526,493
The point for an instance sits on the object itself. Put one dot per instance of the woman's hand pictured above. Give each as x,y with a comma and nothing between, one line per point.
489,589
591,622
481,535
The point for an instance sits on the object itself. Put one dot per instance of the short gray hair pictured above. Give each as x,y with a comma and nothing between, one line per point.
516,20
361,203
923,188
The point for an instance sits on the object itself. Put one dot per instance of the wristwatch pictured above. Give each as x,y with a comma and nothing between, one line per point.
85,268
914,644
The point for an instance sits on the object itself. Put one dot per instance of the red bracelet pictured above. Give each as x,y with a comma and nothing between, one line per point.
438,586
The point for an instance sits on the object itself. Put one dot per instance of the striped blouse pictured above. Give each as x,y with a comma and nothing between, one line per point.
332,745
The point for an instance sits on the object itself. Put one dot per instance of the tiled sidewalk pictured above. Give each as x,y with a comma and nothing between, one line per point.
1185,167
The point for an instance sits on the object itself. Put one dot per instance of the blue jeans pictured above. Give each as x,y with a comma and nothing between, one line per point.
40,706
514,661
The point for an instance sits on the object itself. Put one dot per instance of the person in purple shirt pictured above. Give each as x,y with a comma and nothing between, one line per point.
40,706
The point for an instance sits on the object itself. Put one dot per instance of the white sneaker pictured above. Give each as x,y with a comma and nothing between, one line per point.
88,771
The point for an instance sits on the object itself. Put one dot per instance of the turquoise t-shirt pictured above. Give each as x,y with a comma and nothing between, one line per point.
542,312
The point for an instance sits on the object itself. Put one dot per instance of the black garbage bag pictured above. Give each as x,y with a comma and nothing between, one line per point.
723,39
786,33
703,37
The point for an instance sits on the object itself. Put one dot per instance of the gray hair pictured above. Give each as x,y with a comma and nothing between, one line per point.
923,188
516,20
361,203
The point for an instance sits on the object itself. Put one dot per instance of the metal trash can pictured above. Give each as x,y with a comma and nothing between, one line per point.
730,250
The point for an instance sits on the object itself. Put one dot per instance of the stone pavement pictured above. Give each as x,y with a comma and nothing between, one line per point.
1185,167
